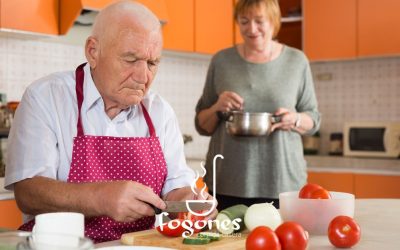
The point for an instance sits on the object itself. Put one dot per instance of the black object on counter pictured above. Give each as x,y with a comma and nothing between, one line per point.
336,144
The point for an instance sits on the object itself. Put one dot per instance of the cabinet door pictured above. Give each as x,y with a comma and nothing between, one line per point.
329,29
10,215
377,186
378,32
179,30
338,182
213,25
38,16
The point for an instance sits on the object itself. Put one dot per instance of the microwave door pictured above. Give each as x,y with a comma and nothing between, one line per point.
367,139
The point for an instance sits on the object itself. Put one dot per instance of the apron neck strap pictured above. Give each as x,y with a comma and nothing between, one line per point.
152,131
79,78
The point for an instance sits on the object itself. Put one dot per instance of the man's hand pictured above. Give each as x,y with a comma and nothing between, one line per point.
185,193
127,201
123,201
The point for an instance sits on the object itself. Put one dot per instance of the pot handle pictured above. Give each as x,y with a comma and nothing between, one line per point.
225,116
276,118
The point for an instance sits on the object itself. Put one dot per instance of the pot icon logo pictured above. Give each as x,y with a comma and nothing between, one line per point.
213,202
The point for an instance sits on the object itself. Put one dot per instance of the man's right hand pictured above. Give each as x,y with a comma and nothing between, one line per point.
123,201
228,101
127,201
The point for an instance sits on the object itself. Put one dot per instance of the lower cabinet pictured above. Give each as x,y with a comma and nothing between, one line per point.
10,215
361,185
340,182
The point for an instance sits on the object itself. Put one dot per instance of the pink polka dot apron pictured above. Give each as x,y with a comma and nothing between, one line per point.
107,158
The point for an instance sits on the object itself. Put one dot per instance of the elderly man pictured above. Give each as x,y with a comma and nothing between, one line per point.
97,140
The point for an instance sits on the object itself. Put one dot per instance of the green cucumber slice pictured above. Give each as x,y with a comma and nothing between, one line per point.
209,235
196,241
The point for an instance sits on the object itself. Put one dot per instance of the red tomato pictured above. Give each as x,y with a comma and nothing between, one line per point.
175,231
320,194
193,218
292,236
344,232
308,189
262,238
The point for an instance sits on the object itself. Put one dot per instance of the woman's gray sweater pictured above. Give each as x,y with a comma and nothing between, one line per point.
267,165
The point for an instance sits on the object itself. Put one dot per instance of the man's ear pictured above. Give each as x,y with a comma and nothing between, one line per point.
92,51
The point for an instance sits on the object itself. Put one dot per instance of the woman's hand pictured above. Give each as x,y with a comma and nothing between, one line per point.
288,119
228,101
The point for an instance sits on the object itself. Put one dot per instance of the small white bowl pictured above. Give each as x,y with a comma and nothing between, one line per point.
315,214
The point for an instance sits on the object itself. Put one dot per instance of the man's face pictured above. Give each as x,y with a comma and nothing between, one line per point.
127,66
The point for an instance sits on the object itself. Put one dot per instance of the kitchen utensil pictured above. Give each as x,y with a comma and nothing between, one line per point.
52,241
315,214
240,123
60,222
153,238
180,206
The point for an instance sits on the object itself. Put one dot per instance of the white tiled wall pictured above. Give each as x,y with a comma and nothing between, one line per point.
366,89
359,90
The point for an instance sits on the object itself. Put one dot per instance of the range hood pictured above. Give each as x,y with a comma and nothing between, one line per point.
83,12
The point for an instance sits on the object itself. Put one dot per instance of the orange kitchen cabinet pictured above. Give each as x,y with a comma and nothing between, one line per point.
10,215
37,16
213,25
378,32
179,30
377,186
330,29
339,182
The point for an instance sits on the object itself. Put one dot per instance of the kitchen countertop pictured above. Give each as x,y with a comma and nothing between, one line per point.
379,220
326,163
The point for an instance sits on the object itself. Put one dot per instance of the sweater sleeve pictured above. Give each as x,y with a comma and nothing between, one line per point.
307,100
208,97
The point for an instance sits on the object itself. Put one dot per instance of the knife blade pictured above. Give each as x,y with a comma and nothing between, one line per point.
180,206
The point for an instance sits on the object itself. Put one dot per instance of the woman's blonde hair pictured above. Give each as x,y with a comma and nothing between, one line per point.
272,10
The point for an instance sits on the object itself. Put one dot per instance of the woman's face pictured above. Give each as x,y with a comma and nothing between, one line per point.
255,27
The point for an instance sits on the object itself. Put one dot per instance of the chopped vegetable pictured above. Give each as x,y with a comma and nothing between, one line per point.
196,241
210,235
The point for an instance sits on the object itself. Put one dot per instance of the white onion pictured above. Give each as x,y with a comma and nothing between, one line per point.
262,214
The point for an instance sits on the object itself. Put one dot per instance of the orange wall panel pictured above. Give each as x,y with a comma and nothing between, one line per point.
378,32
179,30
213,25
10,215
329,29
338,182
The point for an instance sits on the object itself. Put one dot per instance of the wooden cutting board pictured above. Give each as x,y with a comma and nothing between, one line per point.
153,238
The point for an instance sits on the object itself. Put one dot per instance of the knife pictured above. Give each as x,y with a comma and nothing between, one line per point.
180,206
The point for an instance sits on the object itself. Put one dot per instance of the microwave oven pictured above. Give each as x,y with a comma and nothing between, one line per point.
371,139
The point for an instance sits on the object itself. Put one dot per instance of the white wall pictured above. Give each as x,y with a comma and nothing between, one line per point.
366,89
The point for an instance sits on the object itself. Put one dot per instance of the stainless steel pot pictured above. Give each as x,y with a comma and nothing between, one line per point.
242,123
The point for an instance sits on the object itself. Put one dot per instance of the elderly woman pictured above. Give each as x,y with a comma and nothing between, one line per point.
261,75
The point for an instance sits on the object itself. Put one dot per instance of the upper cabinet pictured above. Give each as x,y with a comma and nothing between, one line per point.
213,25
179,31
330,29
377,32
56,17
348,29
203,26
33,16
